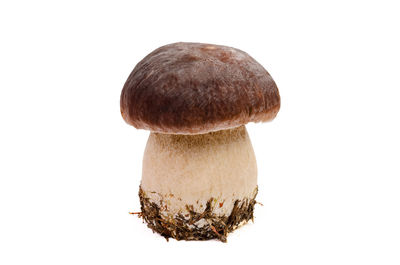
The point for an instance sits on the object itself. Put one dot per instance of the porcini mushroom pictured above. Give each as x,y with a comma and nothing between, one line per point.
199,175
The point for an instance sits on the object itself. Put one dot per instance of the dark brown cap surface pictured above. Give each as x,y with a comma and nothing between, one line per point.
192,88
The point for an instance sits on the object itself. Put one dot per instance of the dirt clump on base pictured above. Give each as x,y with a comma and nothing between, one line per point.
191,226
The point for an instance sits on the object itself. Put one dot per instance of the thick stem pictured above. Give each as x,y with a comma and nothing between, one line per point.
191,169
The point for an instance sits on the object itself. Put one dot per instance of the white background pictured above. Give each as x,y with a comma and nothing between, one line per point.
329,174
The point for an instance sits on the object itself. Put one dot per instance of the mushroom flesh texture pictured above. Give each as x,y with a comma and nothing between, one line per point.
187,170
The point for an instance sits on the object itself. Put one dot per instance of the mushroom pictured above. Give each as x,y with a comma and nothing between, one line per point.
199,175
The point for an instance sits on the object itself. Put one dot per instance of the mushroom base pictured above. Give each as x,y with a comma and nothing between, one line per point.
195,225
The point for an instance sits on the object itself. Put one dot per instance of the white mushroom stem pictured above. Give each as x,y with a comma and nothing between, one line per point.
180,170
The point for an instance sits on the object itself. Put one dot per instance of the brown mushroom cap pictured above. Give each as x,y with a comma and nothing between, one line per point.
193,88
